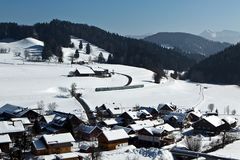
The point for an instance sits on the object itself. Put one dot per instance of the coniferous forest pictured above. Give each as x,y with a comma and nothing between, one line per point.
222,68
56,34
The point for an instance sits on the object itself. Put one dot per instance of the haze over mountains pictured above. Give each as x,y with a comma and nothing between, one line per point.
222,36
186,42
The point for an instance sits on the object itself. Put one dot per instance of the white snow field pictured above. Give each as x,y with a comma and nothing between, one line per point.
229,151
19,47
26,84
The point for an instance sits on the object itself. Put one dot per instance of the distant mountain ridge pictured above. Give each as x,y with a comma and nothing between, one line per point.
188,43
222,36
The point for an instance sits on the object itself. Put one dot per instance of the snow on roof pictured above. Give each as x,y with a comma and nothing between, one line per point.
214,120
160,129
70,155
85,70
136,127
147,122
144,124
113,121
196,113
24,120
11,127
58,138
121,127
230,120
5,138
179,116
113,135
115,111
170,105
145,112
115,108
12,109
49,118
166,127
97,68
86,128
133,114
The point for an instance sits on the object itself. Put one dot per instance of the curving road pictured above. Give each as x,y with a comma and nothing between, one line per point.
129,78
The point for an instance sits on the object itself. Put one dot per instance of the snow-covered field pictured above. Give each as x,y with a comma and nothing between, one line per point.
229,151
26,84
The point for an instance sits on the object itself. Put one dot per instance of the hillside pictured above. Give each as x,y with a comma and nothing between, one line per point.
12,52
56,34
223,67
186,42
222,36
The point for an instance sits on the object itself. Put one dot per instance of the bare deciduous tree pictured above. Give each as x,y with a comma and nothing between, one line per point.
40,106
234,112
52,106
193,143
211,107
228,110
73,89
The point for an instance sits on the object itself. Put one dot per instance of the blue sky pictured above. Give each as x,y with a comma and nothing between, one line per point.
129,16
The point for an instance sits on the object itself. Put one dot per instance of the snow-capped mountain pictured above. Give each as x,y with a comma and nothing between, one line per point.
222,36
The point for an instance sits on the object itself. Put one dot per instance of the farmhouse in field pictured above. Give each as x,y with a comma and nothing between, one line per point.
82,71
101,72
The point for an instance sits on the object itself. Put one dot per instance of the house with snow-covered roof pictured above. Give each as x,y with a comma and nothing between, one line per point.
193,115
150,110
87,132
230,122
113,139
211,124
156,136
176,119
111,122
9,111
14,129
53,144
61,123
166,108
101,72
130,117
139,124
82,71
109,110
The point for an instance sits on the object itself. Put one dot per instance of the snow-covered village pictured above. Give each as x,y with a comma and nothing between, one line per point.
71,91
